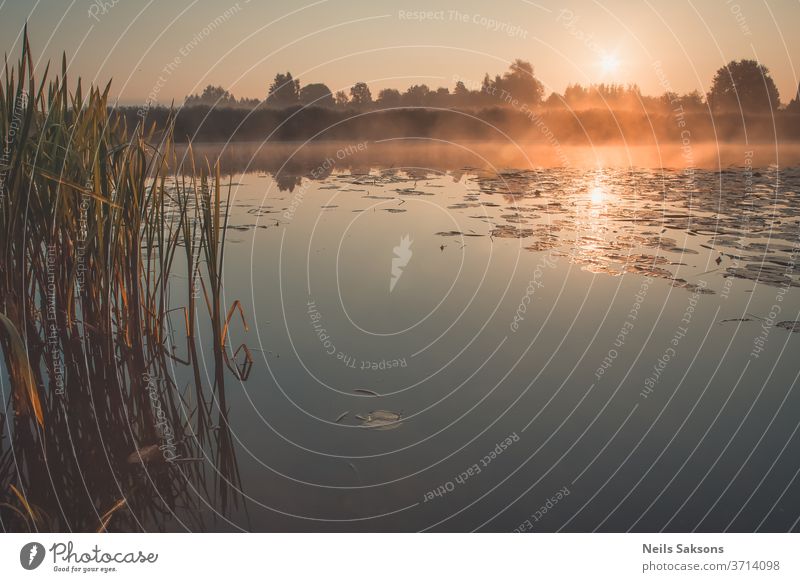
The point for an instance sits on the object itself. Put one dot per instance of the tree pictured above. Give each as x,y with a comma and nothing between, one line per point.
389,98
341,99
575,96
214,96
317,95
251,103
416,95
554,101
693,101
460,90
284,91
440,97
743,86
461,96
670,99
487,86
520,83
360,94
794,104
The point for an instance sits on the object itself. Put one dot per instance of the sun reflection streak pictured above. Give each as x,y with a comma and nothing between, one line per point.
597,195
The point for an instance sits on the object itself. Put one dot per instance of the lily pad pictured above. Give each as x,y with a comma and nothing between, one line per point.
381,420
793,326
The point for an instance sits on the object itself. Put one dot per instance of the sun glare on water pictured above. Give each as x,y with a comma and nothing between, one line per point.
596,195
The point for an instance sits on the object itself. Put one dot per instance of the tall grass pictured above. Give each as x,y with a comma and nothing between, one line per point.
105,241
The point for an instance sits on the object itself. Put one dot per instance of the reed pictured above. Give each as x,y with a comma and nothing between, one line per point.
106,238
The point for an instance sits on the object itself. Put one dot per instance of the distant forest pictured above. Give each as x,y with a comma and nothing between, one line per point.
742,103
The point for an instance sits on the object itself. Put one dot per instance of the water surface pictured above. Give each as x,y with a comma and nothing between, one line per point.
453,346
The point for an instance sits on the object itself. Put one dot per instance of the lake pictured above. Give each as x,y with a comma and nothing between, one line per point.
443,343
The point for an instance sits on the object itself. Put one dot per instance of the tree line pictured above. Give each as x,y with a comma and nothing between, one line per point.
743,85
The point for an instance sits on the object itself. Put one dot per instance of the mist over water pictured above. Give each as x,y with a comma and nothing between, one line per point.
301,158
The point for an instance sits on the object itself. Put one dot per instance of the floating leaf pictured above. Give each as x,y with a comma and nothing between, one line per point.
365,391
381,420
793,326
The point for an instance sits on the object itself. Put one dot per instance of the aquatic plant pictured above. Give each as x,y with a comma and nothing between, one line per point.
104,237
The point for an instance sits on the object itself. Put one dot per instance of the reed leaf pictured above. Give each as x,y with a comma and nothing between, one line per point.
106,517
26,394
24,502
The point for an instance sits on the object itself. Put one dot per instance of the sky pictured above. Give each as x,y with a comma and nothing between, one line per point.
162,50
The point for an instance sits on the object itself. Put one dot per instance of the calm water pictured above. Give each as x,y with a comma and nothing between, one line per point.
552,349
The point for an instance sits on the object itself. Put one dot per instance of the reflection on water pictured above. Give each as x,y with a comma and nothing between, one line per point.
448,348
596,195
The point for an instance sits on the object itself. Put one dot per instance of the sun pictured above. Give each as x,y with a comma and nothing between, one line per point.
609,63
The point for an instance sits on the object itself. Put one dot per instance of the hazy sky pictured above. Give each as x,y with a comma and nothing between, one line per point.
169,48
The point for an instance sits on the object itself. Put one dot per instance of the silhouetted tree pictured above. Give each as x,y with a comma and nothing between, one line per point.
215,96
554,101
575,95
489,87
794,104
440,97
360,94
693,101
613,97
316,94
416,95
249,103
461,96
669,99
389,98
284,91
341,99
460,90
520,83
743,85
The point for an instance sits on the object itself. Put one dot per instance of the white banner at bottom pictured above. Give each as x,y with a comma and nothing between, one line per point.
400,557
